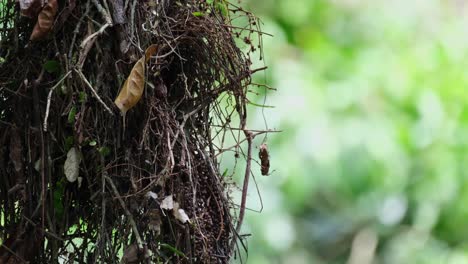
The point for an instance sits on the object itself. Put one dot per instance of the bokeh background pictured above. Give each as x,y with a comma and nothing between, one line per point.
372,163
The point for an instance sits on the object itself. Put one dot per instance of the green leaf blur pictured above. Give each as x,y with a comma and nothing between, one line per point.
372,163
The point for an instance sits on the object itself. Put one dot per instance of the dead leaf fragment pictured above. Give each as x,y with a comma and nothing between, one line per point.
181,216
264,159
72,165
167,203
37,165
152,195
45,21
133,87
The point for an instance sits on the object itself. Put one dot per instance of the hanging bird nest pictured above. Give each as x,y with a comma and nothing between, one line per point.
88,178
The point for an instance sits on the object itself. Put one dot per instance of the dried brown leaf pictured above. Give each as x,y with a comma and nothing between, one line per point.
72,165
167,203
45,21
180,215
133,87
264,159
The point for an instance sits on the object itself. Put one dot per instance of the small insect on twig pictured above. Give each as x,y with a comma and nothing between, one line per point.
264,159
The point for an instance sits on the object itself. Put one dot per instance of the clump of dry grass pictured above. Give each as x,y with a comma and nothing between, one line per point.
57,94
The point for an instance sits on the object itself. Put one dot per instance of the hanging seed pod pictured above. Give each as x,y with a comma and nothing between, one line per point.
264,159
45,21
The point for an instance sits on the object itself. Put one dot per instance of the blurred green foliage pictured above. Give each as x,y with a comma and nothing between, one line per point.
372,163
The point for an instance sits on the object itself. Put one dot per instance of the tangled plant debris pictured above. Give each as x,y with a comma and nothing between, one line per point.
81,183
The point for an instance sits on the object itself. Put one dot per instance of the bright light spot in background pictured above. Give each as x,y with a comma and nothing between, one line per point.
431,111
426,216
317,139
279,232
393,210
458,257
292,88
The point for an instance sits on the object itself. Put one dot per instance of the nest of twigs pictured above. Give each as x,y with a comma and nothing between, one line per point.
147,189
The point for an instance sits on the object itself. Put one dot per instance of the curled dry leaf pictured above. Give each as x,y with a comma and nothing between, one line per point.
264,159
37,165
72,165
30,8
45,21
132,89
167,203
151,195
181,216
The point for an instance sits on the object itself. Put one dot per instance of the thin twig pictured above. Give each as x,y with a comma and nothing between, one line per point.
249,137
47,232
127,213
104,13
221,151
41,136
94,35
258,69
14,253
49,96
103,205
77,30
106,6
251,130
94,91
132,20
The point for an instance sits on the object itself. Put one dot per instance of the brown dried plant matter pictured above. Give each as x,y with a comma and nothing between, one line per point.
264,157
45,21
184,106
133,87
